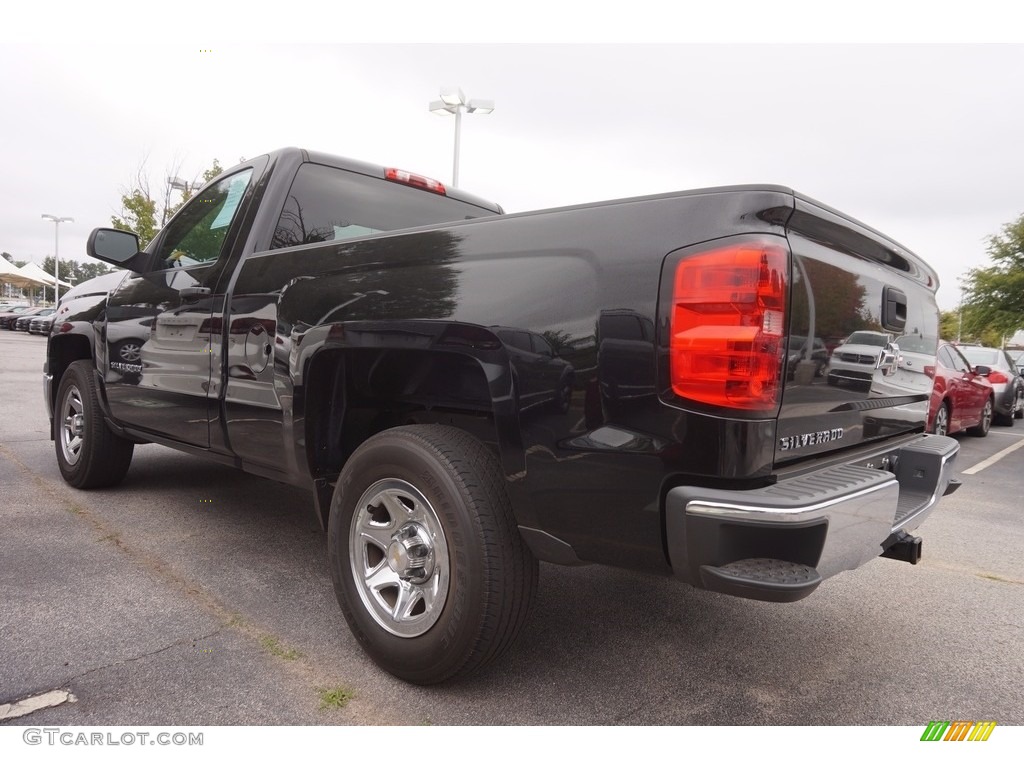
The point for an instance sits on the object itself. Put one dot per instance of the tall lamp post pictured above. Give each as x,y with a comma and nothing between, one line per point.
57,221
453,102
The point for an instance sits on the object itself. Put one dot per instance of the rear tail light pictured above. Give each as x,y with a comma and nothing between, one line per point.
997,377
415,180
929,371
728,325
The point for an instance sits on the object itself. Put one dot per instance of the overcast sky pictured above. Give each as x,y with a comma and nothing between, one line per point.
920,141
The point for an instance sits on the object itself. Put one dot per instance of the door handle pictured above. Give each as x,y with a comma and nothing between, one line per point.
894,309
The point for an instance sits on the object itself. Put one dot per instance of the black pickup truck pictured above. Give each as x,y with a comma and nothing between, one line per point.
641,383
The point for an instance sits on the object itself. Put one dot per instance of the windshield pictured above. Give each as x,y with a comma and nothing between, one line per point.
868,338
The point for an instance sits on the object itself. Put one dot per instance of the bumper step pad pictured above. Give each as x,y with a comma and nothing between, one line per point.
762,578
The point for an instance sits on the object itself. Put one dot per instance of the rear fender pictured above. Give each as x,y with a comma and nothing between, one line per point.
322,361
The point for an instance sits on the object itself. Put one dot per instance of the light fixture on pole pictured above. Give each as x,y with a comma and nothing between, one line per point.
173,182
57,221
453,102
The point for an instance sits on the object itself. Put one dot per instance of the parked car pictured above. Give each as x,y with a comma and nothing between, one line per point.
853,362
7,319
9,306
41,324
962,397
21,323
1005,378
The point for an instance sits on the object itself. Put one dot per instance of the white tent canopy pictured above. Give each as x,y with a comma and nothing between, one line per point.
11,274
36,274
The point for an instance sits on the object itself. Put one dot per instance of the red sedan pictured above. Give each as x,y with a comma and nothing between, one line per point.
962,397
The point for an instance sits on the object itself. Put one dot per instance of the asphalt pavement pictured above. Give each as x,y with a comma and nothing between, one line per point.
194,594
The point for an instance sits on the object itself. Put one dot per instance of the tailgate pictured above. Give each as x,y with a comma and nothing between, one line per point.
855,297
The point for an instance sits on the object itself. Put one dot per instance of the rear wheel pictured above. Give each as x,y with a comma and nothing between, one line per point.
427,563
940,426
1018,405
89,455
986,421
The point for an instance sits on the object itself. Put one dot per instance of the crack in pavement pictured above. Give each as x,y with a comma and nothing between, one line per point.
67,683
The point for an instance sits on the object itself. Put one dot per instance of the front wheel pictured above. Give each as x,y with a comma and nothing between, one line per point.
89,455
427,563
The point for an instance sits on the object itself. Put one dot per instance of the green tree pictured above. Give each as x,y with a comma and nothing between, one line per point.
144,214
949,325
994,295
138,215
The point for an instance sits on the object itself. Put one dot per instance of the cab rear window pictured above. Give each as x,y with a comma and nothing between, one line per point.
329,204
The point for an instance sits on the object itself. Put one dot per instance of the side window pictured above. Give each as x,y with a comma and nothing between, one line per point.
959,361
197,233
541,346
945,358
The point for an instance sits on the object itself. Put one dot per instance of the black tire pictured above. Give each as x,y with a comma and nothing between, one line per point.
88,453
986,421
421,525
1018,404
940,425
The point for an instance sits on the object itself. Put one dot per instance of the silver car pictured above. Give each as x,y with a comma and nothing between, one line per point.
1005,378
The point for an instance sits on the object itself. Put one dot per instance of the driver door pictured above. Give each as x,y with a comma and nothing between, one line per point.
159,332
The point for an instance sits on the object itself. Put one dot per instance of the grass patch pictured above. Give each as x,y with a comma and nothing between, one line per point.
335,698
273,645
993,577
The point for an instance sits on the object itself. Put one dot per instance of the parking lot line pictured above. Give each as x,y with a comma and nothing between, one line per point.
33,703
993,459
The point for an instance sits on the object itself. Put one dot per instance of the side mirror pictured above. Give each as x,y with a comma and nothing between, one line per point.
982,370
112,245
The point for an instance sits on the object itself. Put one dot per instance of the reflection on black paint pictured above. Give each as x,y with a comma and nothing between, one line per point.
625,361
381,280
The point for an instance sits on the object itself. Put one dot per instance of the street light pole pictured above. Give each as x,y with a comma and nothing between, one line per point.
57,221
453,102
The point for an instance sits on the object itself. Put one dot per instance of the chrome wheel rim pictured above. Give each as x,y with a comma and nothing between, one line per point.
986,417
72,425
130,352
941,422
399,557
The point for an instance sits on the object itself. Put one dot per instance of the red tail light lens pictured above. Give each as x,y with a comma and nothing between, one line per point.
997,377
728,325
415,180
